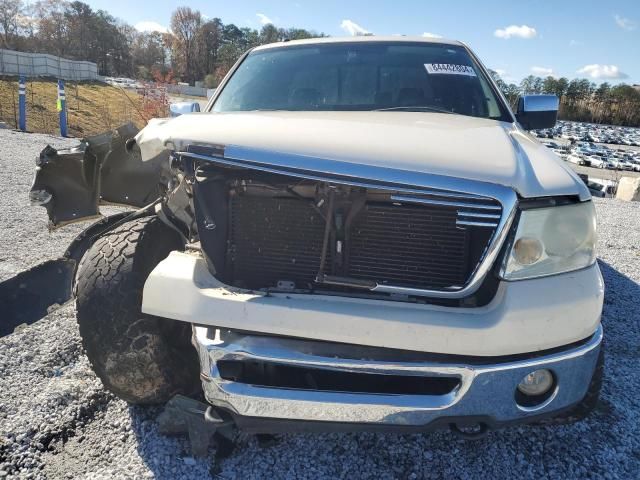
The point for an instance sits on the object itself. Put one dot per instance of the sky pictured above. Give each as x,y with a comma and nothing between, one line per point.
594,39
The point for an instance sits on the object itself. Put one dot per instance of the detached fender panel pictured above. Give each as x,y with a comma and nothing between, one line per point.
103,169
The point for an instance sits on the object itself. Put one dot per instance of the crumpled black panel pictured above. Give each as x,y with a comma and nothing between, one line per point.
105,168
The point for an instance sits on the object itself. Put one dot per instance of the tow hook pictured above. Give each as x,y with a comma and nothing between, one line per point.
473,431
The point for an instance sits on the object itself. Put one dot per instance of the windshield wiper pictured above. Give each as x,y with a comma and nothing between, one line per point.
418,108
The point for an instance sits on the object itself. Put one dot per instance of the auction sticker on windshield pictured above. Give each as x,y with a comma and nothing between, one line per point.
450,69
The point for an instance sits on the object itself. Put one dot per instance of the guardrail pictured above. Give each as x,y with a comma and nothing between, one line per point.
190,91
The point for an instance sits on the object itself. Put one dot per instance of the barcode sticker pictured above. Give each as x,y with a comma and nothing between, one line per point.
450,69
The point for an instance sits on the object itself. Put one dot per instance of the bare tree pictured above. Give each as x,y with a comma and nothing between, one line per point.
53,27
185,25
79,18
28,27
209,40
147,50
10,11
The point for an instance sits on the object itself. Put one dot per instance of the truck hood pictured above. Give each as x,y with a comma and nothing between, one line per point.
433,143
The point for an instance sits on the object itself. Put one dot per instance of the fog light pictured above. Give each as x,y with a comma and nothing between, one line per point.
536,383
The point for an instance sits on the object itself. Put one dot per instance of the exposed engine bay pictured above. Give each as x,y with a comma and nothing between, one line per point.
271,232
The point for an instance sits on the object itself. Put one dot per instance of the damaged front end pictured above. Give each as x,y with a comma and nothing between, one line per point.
269,229
275,222
271,221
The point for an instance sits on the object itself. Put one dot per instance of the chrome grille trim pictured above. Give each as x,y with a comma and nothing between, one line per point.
368,176
479,215
443,203
468,223
476,219
395,181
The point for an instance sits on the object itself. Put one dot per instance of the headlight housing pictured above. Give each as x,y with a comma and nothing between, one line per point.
552,240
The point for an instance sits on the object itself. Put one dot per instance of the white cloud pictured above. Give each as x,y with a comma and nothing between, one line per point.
602,71
504,75
624,23
150,26
544,71
352,28
575,43
264,20
522,31
431,35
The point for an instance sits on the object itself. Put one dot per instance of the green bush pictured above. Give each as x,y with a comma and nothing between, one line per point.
210,81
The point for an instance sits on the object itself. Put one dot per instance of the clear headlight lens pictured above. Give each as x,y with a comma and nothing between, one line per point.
552,240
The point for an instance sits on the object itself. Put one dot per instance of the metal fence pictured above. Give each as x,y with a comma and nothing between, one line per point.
187,90
44,65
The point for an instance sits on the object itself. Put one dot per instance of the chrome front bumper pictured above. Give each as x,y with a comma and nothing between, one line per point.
485,390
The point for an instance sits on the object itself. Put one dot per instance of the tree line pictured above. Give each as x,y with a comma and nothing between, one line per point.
200,48
580,99
196,48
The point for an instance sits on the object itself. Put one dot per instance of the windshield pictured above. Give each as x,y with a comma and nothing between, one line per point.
362,76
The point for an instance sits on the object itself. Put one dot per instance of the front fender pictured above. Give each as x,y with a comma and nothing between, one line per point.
104,169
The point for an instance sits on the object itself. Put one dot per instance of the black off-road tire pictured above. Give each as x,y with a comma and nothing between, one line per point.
141,358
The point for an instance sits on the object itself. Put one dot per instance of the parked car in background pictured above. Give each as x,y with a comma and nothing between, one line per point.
123,82
627,164
579,160
596,133
588,153
598,162
635,162
602,188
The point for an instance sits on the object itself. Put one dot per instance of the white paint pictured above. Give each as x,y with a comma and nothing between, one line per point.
451,145
524,316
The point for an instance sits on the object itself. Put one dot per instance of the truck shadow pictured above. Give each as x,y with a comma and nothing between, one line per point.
32,294
529,451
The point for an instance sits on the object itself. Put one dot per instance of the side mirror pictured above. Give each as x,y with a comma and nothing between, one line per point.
537,111
180,108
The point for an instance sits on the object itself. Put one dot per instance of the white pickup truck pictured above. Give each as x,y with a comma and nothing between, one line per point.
355,234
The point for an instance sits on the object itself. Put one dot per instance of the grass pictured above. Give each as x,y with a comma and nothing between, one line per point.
92,107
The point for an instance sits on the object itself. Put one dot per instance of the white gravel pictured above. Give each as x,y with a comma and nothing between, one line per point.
56,421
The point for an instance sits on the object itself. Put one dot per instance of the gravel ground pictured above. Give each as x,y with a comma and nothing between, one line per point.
56,420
